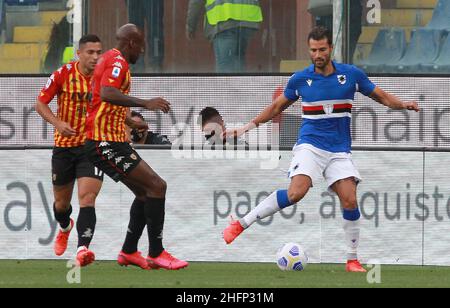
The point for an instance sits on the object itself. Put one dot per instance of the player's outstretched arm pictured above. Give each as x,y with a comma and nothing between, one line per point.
136,125
276,108
47,114
392,101
115,97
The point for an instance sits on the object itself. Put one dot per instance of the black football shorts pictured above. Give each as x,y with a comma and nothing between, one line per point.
116,159
69,164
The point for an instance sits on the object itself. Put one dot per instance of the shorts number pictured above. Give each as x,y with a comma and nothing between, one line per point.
98,172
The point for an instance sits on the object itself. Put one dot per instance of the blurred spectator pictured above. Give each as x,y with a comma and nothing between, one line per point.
356,12
59,40
229,26
2,10
213,125
322,10
148,15
143,136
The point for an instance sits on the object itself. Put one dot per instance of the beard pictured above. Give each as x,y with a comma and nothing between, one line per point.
322,63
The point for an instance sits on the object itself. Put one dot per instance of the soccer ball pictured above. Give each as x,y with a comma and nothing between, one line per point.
292,257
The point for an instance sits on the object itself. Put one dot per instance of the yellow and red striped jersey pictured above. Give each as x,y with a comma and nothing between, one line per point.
73,90
106,122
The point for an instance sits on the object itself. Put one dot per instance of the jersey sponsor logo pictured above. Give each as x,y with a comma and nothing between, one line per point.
116,72
310,82
342,79
133,157
81,96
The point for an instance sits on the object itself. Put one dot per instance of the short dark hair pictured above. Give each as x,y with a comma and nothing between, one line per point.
137,114
89,38
319,33
207,114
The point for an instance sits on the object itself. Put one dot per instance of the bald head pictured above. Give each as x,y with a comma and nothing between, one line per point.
128,32
131,42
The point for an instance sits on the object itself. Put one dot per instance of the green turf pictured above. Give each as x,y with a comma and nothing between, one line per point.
214,275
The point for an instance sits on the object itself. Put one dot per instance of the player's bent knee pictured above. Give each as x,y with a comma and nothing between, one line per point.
162,186
158,189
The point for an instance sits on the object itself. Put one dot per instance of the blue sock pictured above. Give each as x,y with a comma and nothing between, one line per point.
283,199
352,215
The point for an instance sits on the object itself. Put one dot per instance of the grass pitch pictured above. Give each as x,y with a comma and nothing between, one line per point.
53,274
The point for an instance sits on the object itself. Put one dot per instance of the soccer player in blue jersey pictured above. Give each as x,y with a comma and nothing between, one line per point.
323,149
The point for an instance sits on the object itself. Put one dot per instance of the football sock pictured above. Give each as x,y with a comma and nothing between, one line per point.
155,213
86,222
63,218
274,203
135,227
352,232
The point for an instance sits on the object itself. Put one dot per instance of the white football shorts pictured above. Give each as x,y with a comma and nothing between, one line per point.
316,163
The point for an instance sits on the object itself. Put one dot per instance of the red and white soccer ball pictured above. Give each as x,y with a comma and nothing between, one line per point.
292,257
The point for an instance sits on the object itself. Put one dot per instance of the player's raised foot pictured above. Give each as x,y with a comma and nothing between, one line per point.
84,257
232,231
62,239
166,261
134,259
353,266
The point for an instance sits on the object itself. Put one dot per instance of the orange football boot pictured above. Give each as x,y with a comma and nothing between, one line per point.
84,257
353,266
166,261
232,231
62,239
135,259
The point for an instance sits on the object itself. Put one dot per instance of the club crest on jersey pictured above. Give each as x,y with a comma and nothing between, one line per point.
329,108
309,81
342,79
116,72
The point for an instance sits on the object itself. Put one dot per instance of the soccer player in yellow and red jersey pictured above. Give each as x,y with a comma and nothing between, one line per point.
72,85
108,148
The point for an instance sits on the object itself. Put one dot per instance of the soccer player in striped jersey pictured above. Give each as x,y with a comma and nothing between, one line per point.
72,86
323,149
109,150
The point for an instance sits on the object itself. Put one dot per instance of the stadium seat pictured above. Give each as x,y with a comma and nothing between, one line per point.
422,51
441,16
442,63
388,48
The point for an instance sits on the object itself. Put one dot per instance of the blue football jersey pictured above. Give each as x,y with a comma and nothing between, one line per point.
327,105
